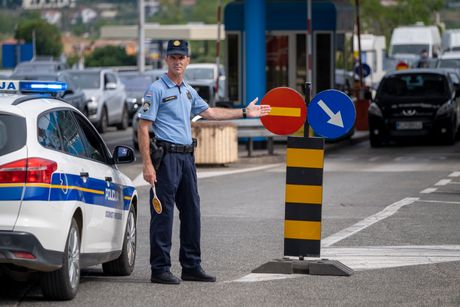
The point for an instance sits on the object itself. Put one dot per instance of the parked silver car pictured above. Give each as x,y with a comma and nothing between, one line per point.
106,97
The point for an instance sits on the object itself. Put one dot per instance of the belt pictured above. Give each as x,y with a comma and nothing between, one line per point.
176,148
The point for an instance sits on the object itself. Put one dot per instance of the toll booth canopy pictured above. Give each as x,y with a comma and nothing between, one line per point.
285,49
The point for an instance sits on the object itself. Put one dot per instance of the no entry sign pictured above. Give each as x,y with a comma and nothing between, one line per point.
288,111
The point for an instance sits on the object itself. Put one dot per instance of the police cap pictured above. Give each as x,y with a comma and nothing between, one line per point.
177,46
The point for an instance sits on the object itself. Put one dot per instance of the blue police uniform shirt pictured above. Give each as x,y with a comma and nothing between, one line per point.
169,107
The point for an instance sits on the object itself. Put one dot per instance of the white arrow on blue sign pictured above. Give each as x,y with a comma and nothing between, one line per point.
331,114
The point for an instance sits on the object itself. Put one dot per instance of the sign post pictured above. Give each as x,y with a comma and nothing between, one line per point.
304,174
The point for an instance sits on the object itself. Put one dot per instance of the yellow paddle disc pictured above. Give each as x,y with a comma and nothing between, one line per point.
156,202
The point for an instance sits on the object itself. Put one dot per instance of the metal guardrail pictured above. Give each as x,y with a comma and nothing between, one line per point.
253,128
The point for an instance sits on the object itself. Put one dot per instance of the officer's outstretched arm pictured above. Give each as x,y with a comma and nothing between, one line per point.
144,147
252,110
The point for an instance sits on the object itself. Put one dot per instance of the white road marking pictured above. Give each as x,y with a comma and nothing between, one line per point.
454,182
439,201
255,277
378,257
208,174
139,180
387,212
443,182
455,174
374,257
428,190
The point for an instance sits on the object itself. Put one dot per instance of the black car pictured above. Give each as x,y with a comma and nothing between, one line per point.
73,95
415,103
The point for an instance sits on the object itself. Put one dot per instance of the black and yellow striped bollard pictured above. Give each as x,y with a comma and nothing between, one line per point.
303,196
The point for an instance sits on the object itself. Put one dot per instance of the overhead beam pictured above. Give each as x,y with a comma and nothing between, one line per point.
164,32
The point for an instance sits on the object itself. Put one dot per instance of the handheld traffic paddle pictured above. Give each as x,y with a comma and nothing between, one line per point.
156,202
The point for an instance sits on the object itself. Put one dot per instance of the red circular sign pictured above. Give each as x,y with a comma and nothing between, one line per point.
402,65
288,111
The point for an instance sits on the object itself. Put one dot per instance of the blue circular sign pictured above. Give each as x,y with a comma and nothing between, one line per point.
331,114
366,70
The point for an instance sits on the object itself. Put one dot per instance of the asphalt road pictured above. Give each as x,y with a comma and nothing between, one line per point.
391,214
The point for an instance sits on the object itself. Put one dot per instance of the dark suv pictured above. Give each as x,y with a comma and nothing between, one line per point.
415,103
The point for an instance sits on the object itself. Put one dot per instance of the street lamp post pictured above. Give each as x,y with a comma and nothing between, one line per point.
141,37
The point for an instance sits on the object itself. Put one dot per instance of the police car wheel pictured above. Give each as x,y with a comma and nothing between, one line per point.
124,120
124,265
63,283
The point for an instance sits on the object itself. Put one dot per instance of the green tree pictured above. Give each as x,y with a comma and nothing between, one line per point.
47,36
109,56
381,20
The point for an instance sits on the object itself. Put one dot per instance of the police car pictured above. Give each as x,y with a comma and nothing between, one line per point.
63,202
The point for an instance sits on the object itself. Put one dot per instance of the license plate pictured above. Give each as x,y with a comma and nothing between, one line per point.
409,125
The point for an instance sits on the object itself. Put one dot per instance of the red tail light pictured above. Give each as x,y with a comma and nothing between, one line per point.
32,170
24,255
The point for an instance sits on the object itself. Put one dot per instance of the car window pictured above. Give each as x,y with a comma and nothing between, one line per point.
48,131
12,133
87,79
94,145
70,83
71,137
449,63
110,78
136,82
199,74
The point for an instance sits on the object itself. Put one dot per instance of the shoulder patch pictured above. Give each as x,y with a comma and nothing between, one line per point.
166,99
146,106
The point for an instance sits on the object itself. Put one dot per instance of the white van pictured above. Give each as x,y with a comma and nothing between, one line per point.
410,41
451,40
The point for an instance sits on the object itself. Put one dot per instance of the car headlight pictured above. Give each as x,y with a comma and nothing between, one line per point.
131,100
92,105
375,110
444,109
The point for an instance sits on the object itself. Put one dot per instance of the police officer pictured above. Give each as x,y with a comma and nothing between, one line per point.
168,105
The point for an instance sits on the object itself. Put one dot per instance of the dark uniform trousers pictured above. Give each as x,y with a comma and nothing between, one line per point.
176,183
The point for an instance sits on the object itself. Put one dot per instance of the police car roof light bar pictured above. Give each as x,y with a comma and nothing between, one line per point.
32,86
42,86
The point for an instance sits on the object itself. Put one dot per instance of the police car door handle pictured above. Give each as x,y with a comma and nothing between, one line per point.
84,174
109,179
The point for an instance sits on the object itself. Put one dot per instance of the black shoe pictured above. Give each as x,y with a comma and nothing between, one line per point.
197,275
165,278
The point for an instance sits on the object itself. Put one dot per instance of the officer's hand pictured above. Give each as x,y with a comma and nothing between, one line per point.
149,174
257,110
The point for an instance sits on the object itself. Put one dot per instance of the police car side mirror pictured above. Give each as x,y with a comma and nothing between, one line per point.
123,154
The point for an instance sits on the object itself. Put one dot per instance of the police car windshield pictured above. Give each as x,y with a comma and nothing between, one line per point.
12,133
87,79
